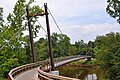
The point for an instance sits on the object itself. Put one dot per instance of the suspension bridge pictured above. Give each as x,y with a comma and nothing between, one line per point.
42,70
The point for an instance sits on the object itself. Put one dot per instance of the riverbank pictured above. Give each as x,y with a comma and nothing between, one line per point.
80,69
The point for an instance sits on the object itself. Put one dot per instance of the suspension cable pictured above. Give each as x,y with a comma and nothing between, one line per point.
11,38
18,31
57,27
55,21
41,26
38,21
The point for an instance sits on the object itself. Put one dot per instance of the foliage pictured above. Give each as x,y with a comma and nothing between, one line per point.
108,54
41,49
69,71
3,78
1,17
17,50
60,46
13,44
73,50
84,48
113,9
80,45
79,69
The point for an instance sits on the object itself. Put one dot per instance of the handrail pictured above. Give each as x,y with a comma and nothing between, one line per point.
43,75
16,71
47,76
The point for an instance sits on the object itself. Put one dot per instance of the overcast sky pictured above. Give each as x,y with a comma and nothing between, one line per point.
79,19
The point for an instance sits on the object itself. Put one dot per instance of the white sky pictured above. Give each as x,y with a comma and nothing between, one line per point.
79,19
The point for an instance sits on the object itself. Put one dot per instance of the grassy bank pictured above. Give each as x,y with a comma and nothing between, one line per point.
81,67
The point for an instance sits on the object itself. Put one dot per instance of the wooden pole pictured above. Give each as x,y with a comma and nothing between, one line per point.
31,36
49,37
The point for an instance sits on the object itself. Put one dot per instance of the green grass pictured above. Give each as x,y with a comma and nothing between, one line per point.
70,72
88,63
75,72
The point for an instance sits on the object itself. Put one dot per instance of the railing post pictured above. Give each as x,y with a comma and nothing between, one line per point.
9,77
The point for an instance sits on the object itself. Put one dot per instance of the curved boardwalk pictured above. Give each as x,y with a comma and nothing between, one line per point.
33,73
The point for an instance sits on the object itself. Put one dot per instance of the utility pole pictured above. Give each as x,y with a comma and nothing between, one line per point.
31,37
49,38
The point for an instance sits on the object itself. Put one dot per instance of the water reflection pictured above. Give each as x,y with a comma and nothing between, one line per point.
91,77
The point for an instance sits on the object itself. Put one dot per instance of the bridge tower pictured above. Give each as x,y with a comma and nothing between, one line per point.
49,37
48,32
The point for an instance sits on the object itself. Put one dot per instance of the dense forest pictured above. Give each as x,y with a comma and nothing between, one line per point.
15,46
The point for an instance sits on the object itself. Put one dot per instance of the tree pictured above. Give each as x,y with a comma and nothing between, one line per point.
14,53
113,9
63,44
73,50
1,17
60,45
81,47
41,47
90,47
107,55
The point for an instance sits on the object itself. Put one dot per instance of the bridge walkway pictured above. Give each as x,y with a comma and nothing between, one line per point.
28,75
33,73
